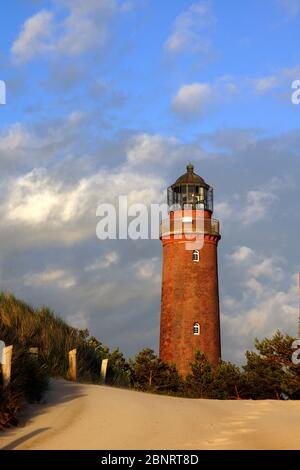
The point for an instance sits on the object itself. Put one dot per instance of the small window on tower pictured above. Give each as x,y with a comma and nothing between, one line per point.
196,256
196,329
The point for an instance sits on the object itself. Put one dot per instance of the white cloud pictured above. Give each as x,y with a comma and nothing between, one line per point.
256,266
23,147
33,198
41,205
241,254
149,269
34,38
79,320
225,88
104,262
189,29
279,81
58,278
254,205
264,304
230,302
223,209
149,152
136,281
268,268
85,27
50,212
260,202
273,309
257,205
266,84
56,203
253,286
193,99
150,148
13,142
236,140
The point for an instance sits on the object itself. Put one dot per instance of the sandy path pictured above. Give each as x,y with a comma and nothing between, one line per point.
94,417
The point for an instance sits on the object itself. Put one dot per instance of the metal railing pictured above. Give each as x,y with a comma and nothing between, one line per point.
188,225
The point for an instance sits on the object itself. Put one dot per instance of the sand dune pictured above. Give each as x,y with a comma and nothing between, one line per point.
79,416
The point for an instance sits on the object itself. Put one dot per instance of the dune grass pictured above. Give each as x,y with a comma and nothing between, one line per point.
24,327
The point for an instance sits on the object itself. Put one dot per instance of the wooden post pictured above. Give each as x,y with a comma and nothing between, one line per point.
34,352
72,373
2,346
299,311
104,365
6,365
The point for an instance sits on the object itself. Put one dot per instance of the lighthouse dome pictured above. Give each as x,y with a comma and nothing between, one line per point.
190,177
191,189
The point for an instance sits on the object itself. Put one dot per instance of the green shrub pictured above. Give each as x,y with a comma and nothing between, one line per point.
29,376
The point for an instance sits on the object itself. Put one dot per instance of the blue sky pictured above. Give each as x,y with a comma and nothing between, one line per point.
246,42
108,97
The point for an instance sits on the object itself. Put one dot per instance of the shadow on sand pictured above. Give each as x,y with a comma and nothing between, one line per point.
60,391
23,439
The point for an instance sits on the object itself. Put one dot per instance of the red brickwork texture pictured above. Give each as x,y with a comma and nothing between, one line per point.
190,295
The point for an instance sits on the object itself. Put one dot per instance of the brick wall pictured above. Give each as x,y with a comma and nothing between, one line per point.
189,295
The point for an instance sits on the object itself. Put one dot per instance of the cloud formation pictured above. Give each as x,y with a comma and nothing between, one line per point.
263,304
193,100
93,114
84,27
35,37
190,30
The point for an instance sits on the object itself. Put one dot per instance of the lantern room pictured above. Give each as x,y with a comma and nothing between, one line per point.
190,189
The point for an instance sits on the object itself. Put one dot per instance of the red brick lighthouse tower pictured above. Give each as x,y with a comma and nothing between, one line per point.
190,317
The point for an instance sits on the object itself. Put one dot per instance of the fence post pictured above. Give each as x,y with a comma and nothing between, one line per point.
72,372
34,352
6,365
103,372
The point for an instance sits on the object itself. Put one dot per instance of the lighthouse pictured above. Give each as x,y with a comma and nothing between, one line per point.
190,315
